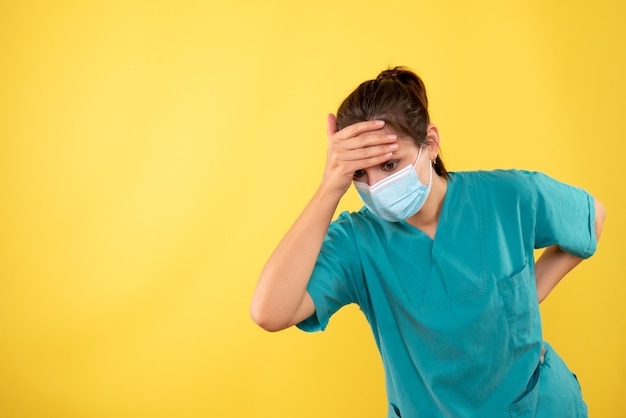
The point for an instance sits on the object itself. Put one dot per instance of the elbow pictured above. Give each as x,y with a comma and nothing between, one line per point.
263,318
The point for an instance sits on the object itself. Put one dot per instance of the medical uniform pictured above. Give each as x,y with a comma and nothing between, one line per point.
456,318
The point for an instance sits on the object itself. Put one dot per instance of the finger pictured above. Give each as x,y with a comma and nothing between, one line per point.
372,161
359,128
368,140
370,152
331,124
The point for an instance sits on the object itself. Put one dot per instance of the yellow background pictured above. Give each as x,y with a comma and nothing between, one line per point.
152,154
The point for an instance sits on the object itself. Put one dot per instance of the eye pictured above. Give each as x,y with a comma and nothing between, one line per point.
358,174
389,165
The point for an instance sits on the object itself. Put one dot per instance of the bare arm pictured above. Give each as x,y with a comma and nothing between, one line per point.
280,299
555,263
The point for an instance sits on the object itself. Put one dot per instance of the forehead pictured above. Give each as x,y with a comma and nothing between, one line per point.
406,147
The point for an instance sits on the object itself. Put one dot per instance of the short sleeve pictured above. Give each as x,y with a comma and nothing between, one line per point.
565,216
331,284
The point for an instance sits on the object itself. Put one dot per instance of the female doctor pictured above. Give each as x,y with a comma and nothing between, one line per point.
440,263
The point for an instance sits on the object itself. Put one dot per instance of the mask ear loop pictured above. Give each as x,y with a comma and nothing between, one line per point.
418,157
430,163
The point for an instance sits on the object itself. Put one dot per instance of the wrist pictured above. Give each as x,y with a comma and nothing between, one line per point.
330,194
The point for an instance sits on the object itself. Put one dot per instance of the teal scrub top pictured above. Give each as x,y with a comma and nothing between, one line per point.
456,318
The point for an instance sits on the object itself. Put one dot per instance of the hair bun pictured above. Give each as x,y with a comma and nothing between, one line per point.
390,74
409,79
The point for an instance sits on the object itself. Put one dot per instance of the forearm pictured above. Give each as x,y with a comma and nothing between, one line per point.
551,267
555,263
280,299
281,287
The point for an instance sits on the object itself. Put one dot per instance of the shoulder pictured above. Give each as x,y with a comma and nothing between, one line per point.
520,190
346,234
526,182
345,225
348,220
359,225
523,186
496,177
497,181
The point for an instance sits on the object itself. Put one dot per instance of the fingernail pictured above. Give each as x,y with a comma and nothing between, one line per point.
393,146
379,122
392,136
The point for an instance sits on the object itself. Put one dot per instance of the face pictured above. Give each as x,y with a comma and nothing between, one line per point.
405,155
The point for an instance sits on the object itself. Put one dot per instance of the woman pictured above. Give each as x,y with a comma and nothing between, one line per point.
440,263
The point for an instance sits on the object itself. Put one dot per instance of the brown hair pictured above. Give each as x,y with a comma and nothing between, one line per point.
397,96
